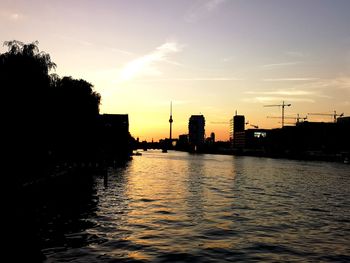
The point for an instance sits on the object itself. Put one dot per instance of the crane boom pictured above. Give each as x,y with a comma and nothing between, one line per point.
282,106
275,117
334,115
297,118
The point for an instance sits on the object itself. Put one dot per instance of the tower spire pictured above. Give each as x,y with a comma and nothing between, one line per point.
171,120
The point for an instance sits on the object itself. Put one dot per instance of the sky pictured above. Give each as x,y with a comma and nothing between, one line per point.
210,57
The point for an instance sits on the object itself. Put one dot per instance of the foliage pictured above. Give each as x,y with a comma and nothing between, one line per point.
49,119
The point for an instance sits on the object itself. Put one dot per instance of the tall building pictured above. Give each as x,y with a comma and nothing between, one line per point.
196,131
238,131
171,121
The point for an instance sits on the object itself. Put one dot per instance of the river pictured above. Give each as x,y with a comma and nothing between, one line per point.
180,207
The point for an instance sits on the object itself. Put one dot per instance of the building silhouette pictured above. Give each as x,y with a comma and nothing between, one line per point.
196,131
114,137
238,133
306,140
212,137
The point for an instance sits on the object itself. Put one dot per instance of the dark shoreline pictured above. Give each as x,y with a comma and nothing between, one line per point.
308,156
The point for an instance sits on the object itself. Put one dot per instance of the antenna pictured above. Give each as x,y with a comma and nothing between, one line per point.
171,120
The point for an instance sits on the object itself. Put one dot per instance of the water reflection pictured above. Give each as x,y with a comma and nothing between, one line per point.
62,213
185,208
194,195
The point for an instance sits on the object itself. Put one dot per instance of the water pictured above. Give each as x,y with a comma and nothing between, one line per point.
177,207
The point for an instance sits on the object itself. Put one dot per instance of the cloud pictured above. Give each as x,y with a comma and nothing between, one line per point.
338,82
283,92
289,79
227,59
282,64
292,95
86,43
145,65
213,4
268,99
201,9
11,16
295,54
196,79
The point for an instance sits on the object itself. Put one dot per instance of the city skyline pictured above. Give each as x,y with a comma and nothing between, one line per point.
209,57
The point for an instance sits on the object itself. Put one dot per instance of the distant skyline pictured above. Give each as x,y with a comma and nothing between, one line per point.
209,57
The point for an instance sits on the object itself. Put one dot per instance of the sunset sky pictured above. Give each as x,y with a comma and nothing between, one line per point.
209,57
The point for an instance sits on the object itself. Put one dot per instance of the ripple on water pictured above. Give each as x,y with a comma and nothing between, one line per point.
198,208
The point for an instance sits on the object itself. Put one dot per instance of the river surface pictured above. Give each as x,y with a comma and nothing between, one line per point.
180,207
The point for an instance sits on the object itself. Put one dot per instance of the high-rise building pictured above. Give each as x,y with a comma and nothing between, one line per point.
238,131
196,131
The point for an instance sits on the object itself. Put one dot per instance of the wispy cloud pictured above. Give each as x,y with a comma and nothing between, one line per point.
308,90
117,50
86,43
194,79
341,83
283,92
282,64
146,64
289,79
227,59
201,9
268,99
11,15
292,95
338,82
295,54
213,4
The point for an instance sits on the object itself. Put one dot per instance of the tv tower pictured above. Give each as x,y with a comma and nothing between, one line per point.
171,119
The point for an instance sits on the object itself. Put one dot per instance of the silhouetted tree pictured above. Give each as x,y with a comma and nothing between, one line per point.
25,82
48,118
75,110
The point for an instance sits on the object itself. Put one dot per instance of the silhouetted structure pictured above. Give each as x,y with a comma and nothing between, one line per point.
212,137
196,131
52,131
283,105
343,120
115,144
306,140
182,143
171,120
255,141
238,131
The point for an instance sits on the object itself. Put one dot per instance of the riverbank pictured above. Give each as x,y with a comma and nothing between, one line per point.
342,157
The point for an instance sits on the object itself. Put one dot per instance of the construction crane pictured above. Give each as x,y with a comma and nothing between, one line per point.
255,126
282,106
298,118
334,115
